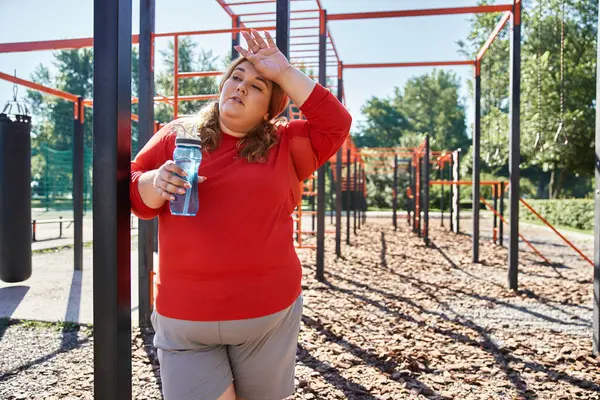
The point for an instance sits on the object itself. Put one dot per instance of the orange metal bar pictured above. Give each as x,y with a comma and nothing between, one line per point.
308,51
53,45
175,80
303,36
555,231
299,58
494,35
212,31
255,2
274,13
197,97
518,13
246,3
410,64
305,44
38,87
422,12
483,183
82,112
291,19
199,74
303,28
521,236
333,45
225,7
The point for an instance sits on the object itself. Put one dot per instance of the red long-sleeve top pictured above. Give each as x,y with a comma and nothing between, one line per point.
236,258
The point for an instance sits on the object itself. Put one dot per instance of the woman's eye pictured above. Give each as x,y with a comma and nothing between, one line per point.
235,78
257,88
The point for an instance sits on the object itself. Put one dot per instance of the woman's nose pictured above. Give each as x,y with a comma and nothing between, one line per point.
242,88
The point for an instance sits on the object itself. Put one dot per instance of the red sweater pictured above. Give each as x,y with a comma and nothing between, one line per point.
236,258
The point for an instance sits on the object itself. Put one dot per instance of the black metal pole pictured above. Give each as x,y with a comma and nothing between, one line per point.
501,227
348,193
331,193
457,192
338,204
495,205
451,202
415,177
146,131
426,192
363,197
395,194
282,26
282,32
111,225
515,146
408,199
354,191
359,194
442,196
322,170
235,36
420,190
596,321
338,186
312,202
476,162
78,166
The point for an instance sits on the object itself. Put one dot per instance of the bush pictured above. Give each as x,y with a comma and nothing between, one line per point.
571,213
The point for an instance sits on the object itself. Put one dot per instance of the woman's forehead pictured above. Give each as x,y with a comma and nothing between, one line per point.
248,68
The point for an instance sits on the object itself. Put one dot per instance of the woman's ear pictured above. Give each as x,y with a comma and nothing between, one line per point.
266,117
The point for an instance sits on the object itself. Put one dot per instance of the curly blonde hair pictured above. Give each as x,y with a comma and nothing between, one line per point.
255,145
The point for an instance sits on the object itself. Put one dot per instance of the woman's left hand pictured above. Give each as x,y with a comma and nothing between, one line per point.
265,56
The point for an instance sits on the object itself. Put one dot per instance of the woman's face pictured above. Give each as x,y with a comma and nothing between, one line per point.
244,100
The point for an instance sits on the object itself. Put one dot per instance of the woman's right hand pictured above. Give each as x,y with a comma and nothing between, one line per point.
167,181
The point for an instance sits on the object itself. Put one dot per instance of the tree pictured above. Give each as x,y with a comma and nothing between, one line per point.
188,62
428,104
431,104
543,151
384,125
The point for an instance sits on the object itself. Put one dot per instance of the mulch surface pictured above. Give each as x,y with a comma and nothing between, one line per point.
393,319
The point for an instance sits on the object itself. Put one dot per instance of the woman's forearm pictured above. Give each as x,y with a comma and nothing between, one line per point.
148,193
296,85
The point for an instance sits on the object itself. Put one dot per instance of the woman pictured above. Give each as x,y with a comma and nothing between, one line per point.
228,300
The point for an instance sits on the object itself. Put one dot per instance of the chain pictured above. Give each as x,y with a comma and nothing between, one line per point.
539,78
562,62
562,73
15,88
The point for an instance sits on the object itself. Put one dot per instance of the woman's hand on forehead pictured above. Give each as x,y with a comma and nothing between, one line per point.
268,60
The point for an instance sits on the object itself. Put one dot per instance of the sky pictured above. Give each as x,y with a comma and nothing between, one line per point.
357,41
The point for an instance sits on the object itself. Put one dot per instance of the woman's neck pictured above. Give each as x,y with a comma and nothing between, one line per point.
228,131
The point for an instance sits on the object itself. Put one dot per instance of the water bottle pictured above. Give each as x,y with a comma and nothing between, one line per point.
188,156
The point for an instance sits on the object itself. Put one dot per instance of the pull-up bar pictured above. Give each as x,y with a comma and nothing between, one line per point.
410,64
89,42
422,12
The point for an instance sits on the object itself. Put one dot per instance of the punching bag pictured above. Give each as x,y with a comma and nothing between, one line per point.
15,198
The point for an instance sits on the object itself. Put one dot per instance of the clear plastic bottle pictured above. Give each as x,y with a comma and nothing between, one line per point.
188,156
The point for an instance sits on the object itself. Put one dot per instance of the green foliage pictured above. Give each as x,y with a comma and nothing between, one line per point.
572,213
430,103
384,127
52,130
427,104
543,148
190,60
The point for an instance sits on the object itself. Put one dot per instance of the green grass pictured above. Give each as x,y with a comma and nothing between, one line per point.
559,227
59,326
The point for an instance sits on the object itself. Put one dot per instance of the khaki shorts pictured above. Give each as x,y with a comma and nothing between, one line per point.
199,360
